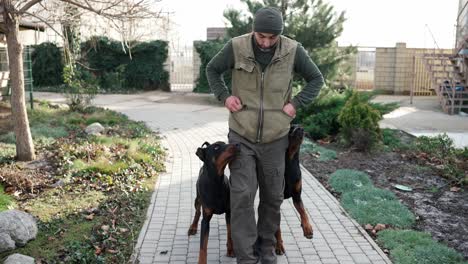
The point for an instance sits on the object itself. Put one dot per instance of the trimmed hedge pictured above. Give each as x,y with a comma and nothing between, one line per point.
207,50
116,70
47,65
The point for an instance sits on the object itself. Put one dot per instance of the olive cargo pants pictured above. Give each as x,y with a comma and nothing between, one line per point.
257,165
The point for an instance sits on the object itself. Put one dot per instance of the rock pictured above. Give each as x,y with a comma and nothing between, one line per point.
59,183
94,129
59,106
380,227
19,259
6,243
18,226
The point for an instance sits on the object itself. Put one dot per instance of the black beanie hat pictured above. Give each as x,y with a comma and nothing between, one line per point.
268,20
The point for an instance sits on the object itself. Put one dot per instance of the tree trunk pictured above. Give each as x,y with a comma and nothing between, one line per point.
24,143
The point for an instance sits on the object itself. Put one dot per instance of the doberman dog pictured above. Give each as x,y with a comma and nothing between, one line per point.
293,184
213,192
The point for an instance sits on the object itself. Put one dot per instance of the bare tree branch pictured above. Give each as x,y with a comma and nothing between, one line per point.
28,5
45,22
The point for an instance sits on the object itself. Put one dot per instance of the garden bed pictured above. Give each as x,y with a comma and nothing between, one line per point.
89,193
439,204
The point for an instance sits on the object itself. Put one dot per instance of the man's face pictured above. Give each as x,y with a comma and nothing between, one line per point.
265,40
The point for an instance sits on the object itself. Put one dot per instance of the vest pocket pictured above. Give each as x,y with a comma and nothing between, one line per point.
244,77
246,122
276,124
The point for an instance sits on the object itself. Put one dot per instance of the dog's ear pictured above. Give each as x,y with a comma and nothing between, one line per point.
201,153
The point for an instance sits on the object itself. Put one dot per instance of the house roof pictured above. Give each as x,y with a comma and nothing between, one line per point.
24,25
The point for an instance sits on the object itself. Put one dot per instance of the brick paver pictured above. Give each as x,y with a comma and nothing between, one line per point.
163,238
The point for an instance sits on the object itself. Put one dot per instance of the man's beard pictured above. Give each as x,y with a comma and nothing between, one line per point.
269,49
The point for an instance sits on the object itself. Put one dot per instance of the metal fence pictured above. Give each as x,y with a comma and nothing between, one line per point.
181,69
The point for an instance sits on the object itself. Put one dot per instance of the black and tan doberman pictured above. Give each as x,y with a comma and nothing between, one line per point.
213,192
293,184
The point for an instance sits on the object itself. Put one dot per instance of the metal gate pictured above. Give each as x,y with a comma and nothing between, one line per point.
365,68
182,70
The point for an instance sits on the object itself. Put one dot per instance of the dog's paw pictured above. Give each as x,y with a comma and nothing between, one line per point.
308,231
280,249
192,231
230,253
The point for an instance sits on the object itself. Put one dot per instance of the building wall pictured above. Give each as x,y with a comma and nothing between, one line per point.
398,69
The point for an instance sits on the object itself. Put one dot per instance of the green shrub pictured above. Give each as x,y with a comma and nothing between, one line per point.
114,68
47,65
373,206
440,146
390,138
413,247
384,108
320,118
345,180
359,123
207,50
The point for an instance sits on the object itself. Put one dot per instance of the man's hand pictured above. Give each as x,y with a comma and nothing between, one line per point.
233,103
289,110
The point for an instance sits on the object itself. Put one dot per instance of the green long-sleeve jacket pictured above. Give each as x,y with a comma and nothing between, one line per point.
303,65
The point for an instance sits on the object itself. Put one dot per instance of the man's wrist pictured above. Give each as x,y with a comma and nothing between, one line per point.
223,97
295,104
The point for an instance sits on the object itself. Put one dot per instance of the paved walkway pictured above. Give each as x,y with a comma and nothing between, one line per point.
424,117
185,123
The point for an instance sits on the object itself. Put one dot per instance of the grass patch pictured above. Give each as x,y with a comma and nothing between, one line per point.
105,117
376,206
390,139
53,237
324,154
345,180
6,202
57,203
413,247
7,153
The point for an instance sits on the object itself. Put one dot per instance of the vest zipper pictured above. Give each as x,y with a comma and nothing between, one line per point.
260,115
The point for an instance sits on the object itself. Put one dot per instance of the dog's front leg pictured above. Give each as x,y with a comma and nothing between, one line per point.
230,250
205,233
279,243
193,227
297,201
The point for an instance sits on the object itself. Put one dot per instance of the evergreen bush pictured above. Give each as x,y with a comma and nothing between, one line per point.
47,65
207,50
359,123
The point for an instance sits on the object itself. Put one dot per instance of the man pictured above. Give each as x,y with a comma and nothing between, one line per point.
261,109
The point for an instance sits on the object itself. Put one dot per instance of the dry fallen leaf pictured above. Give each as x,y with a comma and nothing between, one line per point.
98,250
455,189
90,217
368,227
105,228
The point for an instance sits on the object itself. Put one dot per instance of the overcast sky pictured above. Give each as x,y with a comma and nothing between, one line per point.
369,22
